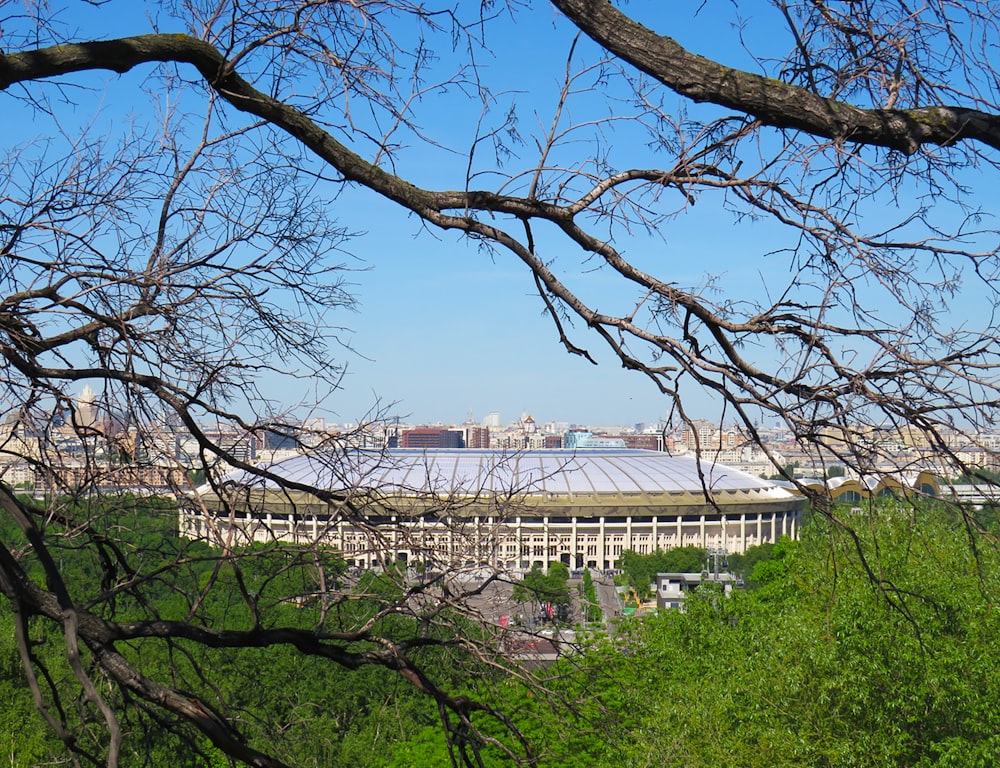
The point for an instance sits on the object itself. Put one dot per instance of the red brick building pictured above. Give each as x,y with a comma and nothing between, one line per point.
431,437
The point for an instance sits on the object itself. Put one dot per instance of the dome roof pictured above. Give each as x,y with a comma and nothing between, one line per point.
549,474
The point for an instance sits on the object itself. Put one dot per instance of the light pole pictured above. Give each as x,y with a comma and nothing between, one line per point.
715,554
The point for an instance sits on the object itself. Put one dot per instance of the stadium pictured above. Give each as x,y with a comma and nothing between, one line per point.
504,510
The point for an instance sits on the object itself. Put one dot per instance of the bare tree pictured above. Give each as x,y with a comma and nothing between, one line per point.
173,263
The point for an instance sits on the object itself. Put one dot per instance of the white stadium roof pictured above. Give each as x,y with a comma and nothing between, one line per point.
524,507
551,474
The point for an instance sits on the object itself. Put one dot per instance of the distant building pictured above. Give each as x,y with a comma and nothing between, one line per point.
706,436
978,457
672,588
86,411
902,485
645,442
279,440
534,441
579,439
477,436
601,441
241,446
431,437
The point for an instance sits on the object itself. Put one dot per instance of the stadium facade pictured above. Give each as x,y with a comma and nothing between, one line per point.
504,510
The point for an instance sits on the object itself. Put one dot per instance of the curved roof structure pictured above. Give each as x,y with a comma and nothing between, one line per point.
549,478
501,508
852,489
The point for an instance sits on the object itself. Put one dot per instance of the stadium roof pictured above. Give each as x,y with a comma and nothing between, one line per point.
550,478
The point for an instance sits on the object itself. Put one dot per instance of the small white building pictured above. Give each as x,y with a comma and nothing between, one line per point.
672,588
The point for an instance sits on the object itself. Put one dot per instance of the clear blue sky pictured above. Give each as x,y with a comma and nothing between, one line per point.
448,330
443,328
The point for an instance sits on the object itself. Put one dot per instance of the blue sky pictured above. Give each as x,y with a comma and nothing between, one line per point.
443,329
447,330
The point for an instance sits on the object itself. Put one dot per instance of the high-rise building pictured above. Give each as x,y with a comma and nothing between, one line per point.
706,436
646,442
86,412
476,436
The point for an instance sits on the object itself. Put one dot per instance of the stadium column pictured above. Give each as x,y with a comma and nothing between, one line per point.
497,540
574,545
393,540
547,542
519,538
451,539
602,554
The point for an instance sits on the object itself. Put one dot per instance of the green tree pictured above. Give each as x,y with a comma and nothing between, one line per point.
544,587
762,563
640,570
589,599
688,559
822,665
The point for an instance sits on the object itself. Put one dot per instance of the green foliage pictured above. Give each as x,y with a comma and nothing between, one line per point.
25,740
305,710
551,587
640,570
763,563
589,600
982,476
787,471
834,661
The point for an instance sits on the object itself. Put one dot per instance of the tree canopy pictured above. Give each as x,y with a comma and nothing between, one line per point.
817,668
640,570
